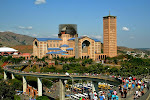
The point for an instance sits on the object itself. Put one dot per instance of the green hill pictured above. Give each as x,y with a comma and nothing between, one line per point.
12,39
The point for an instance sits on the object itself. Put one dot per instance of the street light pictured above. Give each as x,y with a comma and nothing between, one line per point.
105,80
67,74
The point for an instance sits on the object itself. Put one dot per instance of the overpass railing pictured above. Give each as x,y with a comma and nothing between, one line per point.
104,77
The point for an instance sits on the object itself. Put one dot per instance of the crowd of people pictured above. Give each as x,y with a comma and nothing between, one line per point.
130,85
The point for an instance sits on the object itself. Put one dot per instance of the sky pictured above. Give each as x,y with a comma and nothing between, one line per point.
41,18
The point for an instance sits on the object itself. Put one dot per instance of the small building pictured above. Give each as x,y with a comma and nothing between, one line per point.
27,56
6,51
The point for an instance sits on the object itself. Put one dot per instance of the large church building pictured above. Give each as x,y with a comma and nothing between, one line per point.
68,44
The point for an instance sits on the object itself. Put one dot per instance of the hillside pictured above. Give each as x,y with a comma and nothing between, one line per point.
24,48
12,39
123,50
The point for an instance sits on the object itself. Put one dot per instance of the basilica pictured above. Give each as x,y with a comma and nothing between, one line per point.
69,44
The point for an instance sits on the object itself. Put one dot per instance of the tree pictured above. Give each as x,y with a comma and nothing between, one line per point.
46,82
6,92
32,57
46,57
114,70
42,98
43,59
35,57
65,67
56,62
62,59
33,68
57,57
17,84
1,45
16,97
115,61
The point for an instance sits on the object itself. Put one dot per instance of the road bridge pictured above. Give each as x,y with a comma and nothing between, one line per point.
94,78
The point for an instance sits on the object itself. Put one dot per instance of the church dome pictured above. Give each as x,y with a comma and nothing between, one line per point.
70,30
67,29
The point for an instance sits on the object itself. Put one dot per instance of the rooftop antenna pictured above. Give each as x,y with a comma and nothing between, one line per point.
109,12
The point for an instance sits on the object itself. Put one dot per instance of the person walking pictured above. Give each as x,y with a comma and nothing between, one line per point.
121,92
139,87
101,97
91,95
115,92
117,98
142,87
113,97
125,93
109,95
95,97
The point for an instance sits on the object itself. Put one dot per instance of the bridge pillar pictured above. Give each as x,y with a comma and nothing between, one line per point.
61,90
94,86
39,87
5,75
12,76
24,84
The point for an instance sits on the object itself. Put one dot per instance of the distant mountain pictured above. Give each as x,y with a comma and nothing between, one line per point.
12,39
147,49
123,50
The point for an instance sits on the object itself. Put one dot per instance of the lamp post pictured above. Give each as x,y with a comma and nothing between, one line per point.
105,80
67,74
82,86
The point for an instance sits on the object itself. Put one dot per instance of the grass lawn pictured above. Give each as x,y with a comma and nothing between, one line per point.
58,66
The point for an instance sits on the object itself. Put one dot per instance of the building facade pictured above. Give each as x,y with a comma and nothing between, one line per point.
110,35
68,44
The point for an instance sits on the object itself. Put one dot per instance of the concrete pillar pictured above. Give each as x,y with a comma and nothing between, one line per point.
76,47
94,86
61,90
12,75
5,76
24,84
39,87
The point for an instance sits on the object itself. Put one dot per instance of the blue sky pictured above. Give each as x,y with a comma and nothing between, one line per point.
41,18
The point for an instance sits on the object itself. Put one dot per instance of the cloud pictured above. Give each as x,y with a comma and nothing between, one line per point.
34,35
2,31
21,27
52,35
9,30
96,36
125,29
37,2
27,28
131,37
55,35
